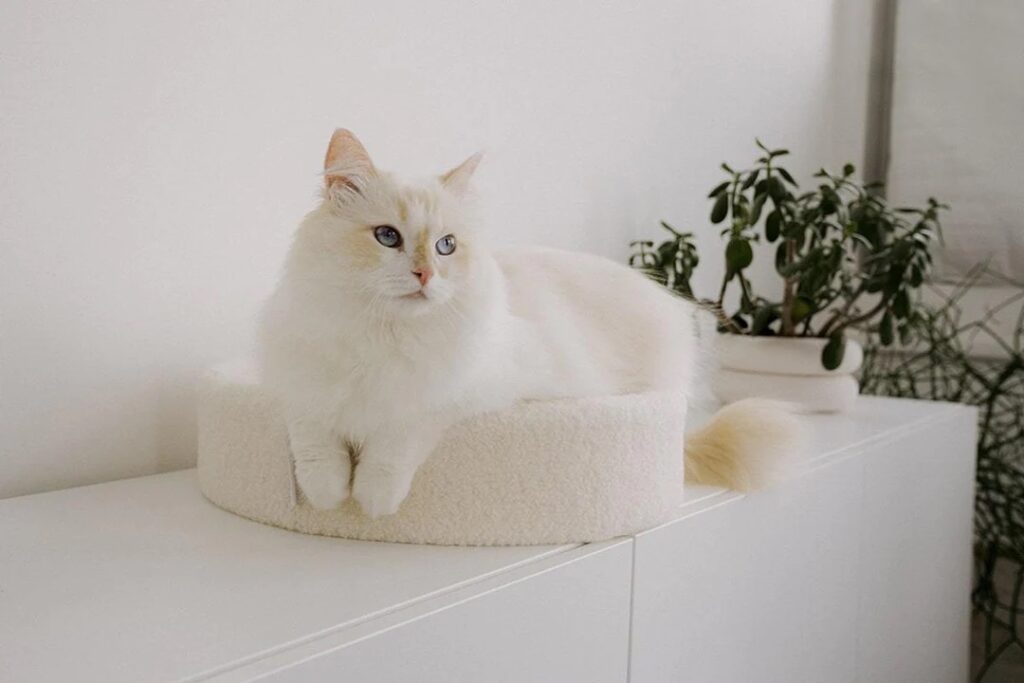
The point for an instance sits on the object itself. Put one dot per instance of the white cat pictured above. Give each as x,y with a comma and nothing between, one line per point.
394,320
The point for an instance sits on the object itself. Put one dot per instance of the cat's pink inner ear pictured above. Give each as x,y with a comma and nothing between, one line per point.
457,179
346,161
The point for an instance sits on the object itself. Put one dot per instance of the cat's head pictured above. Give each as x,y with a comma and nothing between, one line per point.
402,247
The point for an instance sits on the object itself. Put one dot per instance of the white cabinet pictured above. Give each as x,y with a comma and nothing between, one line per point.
915,555
855,569
757,588
566,619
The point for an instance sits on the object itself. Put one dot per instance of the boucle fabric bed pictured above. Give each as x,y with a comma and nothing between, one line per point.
545,472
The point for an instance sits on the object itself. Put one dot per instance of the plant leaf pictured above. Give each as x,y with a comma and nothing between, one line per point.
835,349
885,333
755,210
785,174
720,208
780,259
772,225
762,319
719,189
738,255
901,304
751,179
801,308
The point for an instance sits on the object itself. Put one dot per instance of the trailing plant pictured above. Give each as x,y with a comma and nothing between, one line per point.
845,258
943,360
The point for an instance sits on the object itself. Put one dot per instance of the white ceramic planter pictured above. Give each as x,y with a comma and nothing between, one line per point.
786,369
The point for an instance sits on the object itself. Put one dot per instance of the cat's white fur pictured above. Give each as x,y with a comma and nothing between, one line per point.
372,367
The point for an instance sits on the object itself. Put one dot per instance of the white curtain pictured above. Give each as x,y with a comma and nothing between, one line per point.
958,125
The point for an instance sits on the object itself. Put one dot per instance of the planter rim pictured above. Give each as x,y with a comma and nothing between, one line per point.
819,341
783,355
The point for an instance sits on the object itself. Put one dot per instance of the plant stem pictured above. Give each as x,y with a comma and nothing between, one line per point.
723,319
721,292
861,318
841,313
788,328
1013,366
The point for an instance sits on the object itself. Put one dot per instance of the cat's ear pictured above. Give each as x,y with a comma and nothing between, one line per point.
346,163
457,179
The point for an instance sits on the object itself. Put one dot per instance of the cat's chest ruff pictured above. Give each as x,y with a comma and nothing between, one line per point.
378,384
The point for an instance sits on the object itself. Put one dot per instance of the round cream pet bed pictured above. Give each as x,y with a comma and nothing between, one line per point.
543,472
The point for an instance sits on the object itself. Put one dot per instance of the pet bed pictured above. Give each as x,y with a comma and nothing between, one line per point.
541,472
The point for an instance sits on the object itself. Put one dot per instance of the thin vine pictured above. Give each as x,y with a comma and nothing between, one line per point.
942,360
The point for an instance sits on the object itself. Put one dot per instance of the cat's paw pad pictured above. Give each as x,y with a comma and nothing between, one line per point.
324,483
379,490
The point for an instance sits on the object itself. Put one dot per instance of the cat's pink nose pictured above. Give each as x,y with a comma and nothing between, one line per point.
423,275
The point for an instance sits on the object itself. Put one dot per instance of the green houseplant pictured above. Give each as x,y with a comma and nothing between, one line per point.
845,259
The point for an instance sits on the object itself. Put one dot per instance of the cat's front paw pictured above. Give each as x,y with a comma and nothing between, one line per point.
380,490
324,482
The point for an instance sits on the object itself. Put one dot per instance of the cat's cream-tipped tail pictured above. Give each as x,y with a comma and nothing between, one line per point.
746,445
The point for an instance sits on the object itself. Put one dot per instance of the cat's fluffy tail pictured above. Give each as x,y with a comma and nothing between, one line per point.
747,445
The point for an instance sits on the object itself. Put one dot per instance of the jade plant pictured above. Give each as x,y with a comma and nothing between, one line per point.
846,259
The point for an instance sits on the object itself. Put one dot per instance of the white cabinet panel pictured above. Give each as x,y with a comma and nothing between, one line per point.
565,623
143,579
760,588
858,569
916,558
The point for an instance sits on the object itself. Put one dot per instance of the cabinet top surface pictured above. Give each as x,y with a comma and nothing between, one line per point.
144,576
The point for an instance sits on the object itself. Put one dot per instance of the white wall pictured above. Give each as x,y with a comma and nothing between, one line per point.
956,119
956,122
154,157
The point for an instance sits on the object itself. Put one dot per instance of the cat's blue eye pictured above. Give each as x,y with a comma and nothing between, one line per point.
388,236
445,245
